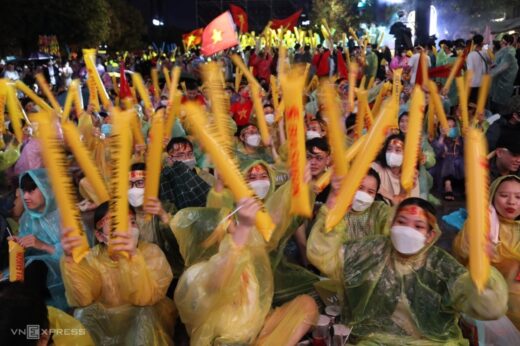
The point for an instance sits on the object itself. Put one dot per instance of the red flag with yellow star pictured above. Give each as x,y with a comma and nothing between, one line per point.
240,18
220,34
193,38
288,23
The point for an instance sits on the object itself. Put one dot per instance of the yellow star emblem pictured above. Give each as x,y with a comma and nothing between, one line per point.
216,37
242,114
191,39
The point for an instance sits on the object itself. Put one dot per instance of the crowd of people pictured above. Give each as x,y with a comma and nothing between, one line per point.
199,271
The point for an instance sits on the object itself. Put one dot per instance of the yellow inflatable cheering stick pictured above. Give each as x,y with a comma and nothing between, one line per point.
47,92
482,96
439,109
350,184
57,167
32,95
153,158
89,55
121,151
477,180
292,88
412,143
336,135
143,92
463,103
228,169
174,102
85,161
15,113
255,90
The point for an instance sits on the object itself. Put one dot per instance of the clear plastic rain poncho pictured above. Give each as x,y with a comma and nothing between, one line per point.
417,301
45,226
226,293
67,330
122,302
507,252
323,249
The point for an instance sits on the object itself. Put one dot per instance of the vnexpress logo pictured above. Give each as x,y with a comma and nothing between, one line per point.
31,332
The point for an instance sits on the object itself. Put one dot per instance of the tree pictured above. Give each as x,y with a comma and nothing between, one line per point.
340,14
79,23
127,26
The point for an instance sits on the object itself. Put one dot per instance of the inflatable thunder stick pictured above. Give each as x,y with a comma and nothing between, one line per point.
336,135
477,180
155,83
439,109
292,89
412,143
463,103
89,55
142,91
56,162
153,158
15,114
70,100
352,75
32,95
482,96
121,151
228,169
47,92
82,155
454,69
360,114
174,102
373,143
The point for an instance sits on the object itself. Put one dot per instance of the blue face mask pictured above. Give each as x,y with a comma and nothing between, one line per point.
106,129
453,132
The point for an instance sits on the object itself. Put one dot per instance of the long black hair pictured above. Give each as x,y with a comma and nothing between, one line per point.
381,158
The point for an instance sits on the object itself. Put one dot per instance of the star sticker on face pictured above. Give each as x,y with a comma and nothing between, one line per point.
216,37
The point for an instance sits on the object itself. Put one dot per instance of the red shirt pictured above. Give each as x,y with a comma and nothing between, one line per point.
261,66
200,99
241,112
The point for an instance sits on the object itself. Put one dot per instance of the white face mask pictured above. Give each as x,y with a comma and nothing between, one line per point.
260,187
394,160
312,134
136,196
190,163
407,240
362,201
269,118
253,140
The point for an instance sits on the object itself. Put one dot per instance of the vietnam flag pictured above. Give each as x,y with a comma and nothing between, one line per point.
220,34
193,38
288,23
239,17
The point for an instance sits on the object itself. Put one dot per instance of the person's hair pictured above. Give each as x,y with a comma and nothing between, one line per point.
373,173
320,121
11,128
20,308
381,158
243,127
508,38
178,140
478,39
27,184
297,46
138,166
307,48
320,143
421,203
350,121
102,210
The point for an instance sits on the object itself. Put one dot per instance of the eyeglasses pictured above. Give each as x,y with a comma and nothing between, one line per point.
318,158
138,183
182,156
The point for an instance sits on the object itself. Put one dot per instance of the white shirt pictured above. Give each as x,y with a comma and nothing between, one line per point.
413,62
475,62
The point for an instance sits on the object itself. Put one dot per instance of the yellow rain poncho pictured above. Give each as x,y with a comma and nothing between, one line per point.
122,302
507,252
388,300
67,330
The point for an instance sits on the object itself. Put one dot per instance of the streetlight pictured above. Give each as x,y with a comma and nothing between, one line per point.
157,22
